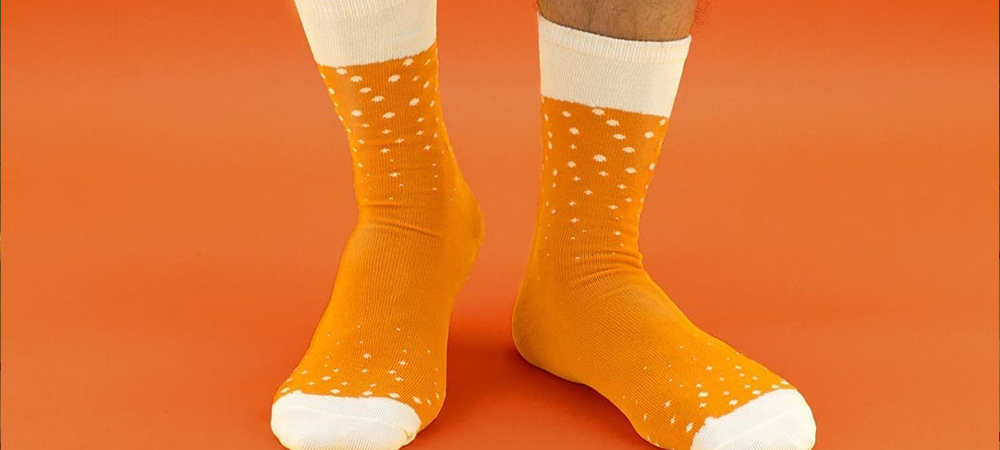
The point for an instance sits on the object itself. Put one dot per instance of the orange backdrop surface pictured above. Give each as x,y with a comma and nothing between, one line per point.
176,192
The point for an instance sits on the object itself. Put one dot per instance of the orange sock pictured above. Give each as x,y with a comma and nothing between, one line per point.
587,311
374,374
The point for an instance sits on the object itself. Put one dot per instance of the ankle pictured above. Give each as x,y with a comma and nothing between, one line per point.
452,213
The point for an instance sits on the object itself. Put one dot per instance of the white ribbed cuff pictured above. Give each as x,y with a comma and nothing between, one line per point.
595,70
351,32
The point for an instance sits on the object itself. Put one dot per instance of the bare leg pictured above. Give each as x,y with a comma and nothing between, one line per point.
640,20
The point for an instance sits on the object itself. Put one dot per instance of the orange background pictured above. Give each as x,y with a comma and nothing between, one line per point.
176,192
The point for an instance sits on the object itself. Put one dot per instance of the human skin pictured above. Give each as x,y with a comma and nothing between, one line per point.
640,20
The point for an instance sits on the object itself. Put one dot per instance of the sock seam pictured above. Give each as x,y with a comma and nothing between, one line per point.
755,427
409,435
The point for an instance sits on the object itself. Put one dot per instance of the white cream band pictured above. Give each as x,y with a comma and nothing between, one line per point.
350,32
594,70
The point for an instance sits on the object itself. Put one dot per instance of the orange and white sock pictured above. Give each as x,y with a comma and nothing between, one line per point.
374,373
588,311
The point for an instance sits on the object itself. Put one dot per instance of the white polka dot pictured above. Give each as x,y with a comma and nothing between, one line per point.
366,393
341,72
408,61
648,135
417,400
393,395
574,130
356,79
628,150
571,164
598,111
356,113
600,158
630,170
566,114
414,101
619,136
389,115
652,166
393,78
612,122
365,90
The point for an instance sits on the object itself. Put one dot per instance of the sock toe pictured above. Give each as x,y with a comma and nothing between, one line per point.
320,422
778,420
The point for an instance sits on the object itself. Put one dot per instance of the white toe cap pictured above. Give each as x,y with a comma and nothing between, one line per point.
321,422
777,420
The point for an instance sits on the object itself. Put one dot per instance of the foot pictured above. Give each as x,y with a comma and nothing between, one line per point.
374,374
588,312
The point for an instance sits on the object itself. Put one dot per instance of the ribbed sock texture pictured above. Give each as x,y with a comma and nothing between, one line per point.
587,310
